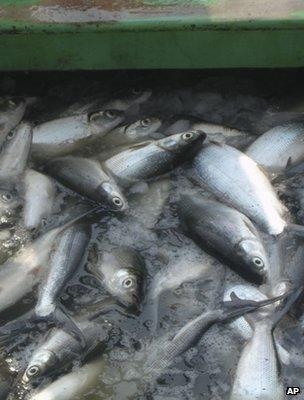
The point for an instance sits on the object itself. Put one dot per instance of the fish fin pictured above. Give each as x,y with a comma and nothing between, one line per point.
281,311
62,319
237,307
79,218
294,229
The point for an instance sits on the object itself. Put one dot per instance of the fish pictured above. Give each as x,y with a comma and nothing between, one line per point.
11,114
235,179
119,138
243,328
225,233
148,159
69,253
122,272
163,350
59,349
257,374
6,380
86,177
279,148
39,198
66,135
129,98
15,152
24,270
72,385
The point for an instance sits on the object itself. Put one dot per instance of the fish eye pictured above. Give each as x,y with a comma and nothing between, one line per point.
110,114
145,122
10,135
43,222
117,202
258,262
127,283
7,197
187,136
32,371
136,91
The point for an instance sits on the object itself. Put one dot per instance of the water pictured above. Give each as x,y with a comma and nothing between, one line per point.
236,99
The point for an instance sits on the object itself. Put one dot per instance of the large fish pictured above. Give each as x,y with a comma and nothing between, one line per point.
279,147
39,198
226,233
59,349
148,159
65,135
11,113
235,179
257,375
122,272
86,177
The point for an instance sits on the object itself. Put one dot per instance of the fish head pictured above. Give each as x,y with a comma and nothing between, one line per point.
181,141
10,200
10,107
105,120
254,255
143,128
126,99
39,365
128,287
113,195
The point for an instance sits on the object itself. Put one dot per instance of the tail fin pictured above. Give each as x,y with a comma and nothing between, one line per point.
237,307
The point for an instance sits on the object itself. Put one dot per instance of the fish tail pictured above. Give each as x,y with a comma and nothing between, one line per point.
11,330
66,323
237,307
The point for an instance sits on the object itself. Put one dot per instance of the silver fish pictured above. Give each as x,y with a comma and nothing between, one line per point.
65,135
122,272
236,180
86,176
279,147
225,232
39,197
59,349
15,152
70,249
135,96
72,385
148,159
11,113
257,375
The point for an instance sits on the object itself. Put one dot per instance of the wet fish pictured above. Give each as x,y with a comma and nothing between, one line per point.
22,272
15,152
65,135
86,177
134,96
122,272
148,159
257,375
226,233
69,253
163,351
72,385
39,197
59,349
11,113
279,148
236,180
242,327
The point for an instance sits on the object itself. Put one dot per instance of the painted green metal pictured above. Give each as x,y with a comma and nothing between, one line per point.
75,34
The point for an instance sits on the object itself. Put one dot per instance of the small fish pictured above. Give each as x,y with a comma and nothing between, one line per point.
148,159
125,100
65,135
39,197
15,152
163,351
72,385
59,349
257,375
279,148
235,179
122,272
226,233
11,113
86,177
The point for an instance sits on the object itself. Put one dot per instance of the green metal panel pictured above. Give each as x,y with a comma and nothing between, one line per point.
96,34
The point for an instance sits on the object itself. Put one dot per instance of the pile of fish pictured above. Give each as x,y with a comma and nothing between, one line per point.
149,253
